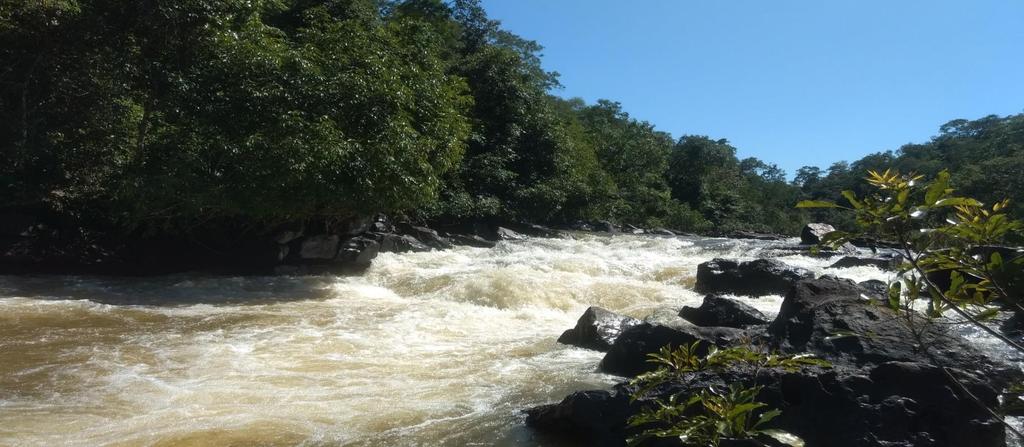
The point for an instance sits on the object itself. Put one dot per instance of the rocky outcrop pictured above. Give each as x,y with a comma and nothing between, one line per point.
628,355
425,235
597,329
319,247
881,390
723,312
754,278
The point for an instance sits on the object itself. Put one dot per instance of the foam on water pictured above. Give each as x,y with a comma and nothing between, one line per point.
438,348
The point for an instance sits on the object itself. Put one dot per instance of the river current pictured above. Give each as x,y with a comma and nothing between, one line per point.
433,349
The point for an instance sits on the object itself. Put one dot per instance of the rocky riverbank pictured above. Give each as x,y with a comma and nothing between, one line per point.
888,384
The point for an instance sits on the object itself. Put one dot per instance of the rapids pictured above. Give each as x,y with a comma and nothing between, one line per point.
438,348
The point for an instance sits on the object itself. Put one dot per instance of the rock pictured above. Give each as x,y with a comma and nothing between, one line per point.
597,418
399,243
628,354
355,226
14,224
506,234
381,224
812,233
755,278
358,252
425,235
580,225
881,262
755,235
535,230
287,235
719,311
828,317
471,240
597,329
661,232
876,289
321,246
606,227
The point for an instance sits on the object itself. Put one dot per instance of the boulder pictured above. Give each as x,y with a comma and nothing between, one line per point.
754,278
597,329
356,225
425,235
876,289
628,354
812,233
741,234
288,235
720,311
881,262
358,252
606,227
319,247
506,234
399,243
471,240
662,232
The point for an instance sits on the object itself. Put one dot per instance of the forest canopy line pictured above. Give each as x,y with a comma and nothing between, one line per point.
163,116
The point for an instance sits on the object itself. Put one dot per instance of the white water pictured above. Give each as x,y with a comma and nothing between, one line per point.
439,348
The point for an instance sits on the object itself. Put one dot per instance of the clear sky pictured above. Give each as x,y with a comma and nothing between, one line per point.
791,82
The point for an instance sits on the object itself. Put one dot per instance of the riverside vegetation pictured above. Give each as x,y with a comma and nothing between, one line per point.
212,124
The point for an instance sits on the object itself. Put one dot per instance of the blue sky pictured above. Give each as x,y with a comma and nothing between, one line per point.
791,82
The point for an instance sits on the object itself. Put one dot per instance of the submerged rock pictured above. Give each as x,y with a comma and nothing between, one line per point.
720,311
597,329
755,278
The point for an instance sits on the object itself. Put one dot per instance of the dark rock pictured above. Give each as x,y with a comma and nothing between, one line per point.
381,224
355,226
425,235
662,232
580,225
828,317
399,243
287,235
876,289
882,262
812,233
628,355
719,311
606,227
755,235
321,246
358,252
471,240
534,230
597,329
755,278
596,418
506,234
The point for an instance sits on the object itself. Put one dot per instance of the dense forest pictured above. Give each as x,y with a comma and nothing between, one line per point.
151,116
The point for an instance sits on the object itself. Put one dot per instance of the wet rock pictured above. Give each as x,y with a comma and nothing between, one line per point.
596,418
597,329
812,233
755,235
755,278
828,317
355,226
720,311
506,234
288,235
321,246
876,289
358,252
881,262
606,227
426,236
399,243
628,355
471,240
662,232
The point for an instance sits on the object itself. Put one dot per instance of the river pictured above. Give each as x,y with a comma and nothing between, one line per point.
437,348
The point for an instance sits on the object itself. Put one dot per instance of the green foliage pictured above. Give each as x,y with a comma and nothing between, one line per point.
709,415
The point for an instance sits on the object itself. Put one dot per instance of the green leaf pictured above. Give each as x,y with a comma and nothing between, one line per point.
816,204
937,188
987,314
852,198
784,437
958,201
895,290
